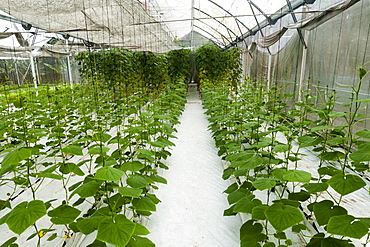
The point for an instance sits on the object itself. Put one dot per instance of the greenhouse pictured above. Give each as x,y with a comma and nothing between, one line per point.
199,123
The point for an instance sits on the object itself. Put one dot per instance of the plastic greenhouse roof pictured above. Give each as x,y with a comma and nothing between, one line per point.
224,20
148,25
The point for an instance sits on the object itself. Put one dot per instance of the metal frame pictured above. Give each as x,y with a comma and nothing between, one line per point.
214,29
274,18
228,29
216,39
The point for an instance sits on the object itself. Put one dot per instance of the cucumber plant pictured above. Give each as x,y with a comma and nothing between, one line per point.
264,142
99,145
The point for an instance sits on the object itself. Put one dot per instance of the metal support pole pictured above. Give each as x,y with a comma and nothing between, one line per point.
34,77
304,36
69,66
269,72
17,72
303,68
245,63
192,26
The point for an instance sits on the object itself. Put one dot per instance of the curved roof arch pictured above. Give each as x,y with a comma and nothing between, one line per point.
153,25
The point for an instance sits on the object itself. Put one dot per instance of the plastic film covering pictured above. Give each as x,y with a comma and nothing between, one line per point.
219,20
335,50
108,22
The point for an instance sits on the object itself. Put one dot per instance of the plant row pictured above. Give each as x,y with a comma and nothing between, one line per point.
84,160
266,145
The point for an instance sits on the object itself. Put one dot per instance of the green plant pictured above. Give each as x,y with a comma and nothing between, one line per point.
257,135
217,66
87,141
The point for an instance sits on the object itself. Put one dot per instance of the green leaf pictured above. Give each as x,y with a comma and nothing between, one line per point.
143,204
258,212
337,114
298,228
246,204
63,214
360,155
98,150
52,237
244,155
130,192
158,179
133,166
366,221
137,241
324,210
233,187
145,152
279,173
137,181
67,168
49,175
281,148
335,141
117,231
308,141
252,163
101,137
230,211
315,187
348,226
72,149
9,242
335,156
237,195
141,230
250,232
364,134
16,156
159,144
109,173
6,169
153,198
293,203
361,72
299,196
3,219
346,184
328,170
297,176
4,204
316,240
228,172
89,225
88,189
24,215
320,127
334,242
283,216
264,183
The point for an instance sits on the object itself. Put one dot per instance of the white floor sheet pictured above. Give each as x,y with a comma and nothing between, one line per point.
191,211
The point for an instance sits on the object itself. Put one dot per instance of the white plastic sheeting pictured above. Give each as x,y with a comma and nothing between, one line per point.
177,16
191,212
108,22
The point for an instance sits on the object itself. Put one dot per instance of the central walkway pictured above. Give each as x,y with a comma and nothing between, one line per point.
191,212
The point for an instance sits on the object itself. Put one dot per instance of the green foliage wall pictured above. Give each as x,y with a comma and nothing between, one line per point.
114,66
216,65
179,64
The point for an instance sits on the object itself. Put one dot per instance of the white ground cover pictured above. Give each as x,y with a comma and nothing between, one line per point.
191,212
